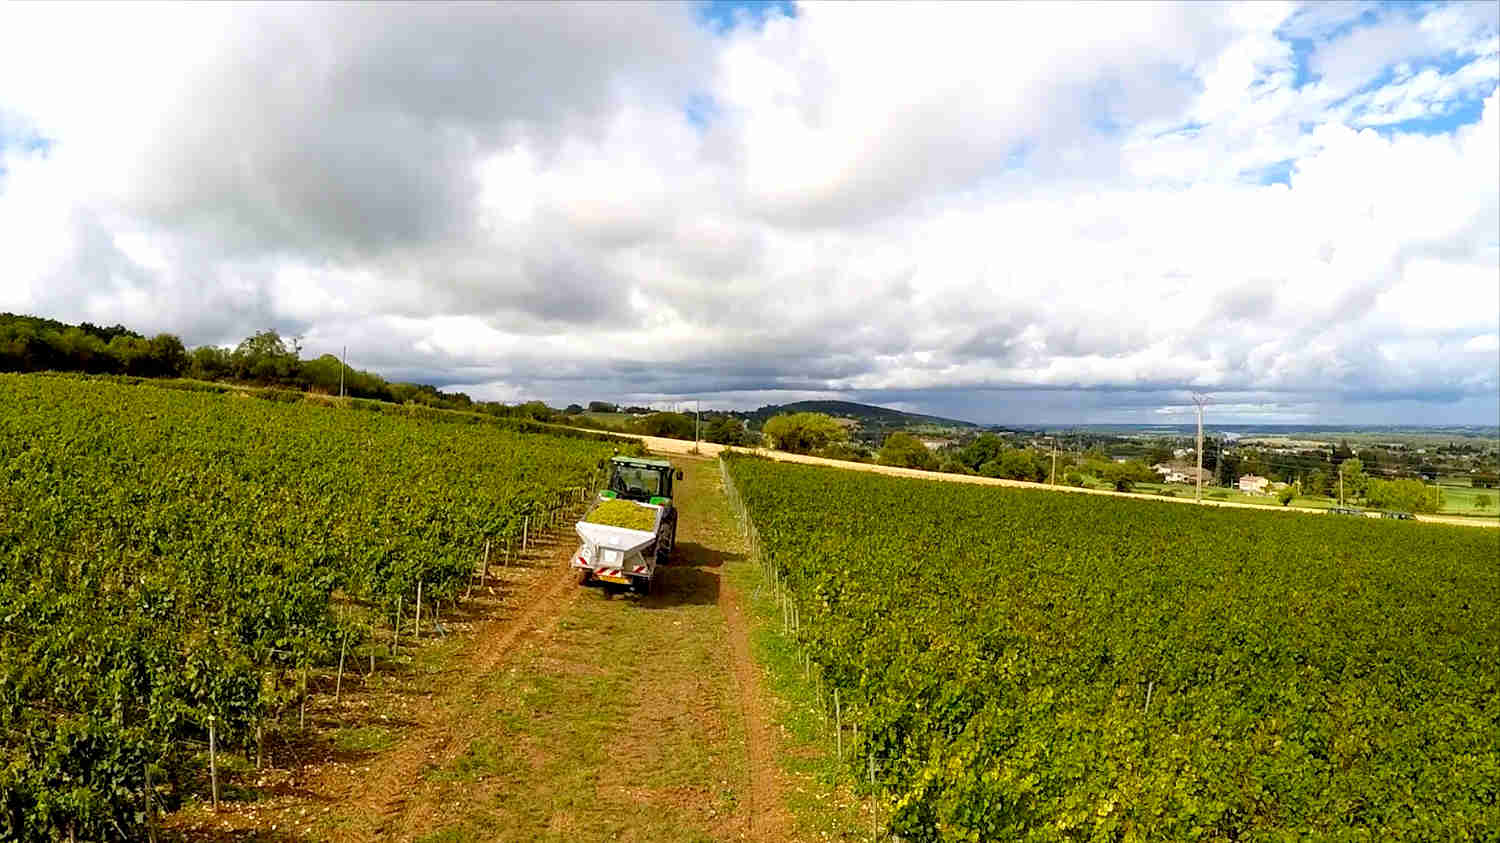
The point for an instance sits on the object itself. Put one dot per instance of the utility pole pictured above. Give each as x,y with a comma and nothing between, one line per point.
1054,461
1341,487
343,364
697,419
1199,401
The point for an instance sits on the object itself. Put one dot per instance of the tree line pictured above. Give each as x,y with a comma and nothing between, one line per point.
266,359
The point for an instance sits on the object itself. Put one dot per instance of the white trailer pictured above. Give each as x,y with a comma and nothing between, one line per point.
619,556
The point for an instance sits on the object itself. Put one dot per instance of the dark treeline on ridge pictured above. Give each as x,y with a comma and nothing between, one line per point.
36,344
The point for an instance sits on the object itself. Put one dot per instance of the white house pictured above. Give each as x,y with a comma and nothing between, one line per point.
1171,474
1253,484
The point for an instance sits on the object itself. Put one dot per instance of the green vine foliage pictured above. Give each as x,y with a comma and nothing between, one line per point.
169,556
1046,666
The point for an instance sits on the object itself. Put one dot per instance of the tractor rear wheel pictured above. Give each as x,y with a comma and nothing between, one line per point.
665,545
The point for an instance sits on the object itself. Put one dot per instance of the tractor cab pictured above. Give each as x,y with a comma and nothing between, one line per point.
637,479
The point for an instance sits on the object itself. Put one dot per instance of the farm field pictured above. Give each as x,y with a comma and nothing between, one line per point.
664,445
174,560
1461,498
1046,666
170,555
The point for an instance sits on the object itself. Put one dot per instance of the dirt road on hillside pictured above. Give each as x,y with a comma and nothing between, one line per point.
663,445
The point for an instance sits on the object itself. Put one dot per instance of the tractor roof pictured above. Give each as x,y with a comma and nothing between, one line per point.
642,461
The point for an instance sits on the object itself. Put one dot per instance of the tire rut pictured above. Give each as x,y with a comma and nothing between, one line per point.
393,799
766,822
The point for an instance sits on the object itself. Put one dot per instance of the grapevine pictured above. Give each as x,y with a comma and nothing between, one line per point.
170,557
1031,665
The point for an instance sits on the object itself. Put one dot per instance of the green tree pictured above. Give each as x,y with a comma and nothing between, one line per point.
1021,464
168,358
1124,475
671,425
1406,494
1353,474
1342,452
1316,483
844,450
1482,501
322,374
905,450
1286,494
803,433
210,363
953,465
1228,473
984,448
265,358
536,410
728,430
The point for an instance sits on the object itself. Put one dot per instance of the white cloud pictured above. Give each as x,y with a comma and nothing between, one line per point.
907,202
1483,343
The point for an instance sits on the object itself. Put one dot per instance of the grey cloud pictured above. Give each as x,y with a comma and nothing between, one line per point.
1249,302
341,142
343,130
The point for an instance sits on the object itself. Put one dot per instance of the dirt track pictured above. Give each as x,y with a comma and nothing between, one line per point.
680,446
550,712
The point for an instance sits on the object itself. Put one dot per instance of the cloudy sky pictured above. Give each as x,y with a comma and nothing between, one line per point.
1022,213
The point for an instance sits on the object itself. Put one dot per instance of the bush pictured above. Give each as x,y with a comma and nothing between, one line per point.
671,425
280,396
729,430
803,433
906,451
952,465
846,451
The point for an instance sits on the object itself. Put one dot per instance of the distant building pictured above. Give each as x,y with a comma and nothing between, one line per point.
1253,484
1177,474
1179,453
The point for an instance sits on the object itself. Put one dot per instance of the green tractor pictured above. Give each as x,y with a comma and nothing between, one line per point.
611,555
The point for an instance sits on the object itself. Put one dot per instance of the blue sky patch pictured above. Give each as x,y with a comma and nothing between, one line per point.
701,109
723,15
1277,173
1456,114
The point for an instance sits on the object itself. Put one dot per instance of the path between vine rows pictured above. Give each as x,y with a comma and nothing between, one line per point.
556,714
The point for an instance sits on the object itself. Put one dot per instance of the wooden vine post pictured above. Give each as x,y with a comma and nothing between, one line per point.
213,762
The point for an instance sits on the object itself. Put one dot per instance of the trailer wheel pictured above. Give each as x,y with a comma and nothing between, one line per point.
641,585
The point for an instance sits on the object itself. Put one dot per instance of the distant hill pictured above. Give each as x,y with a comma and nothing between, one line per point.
868,415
